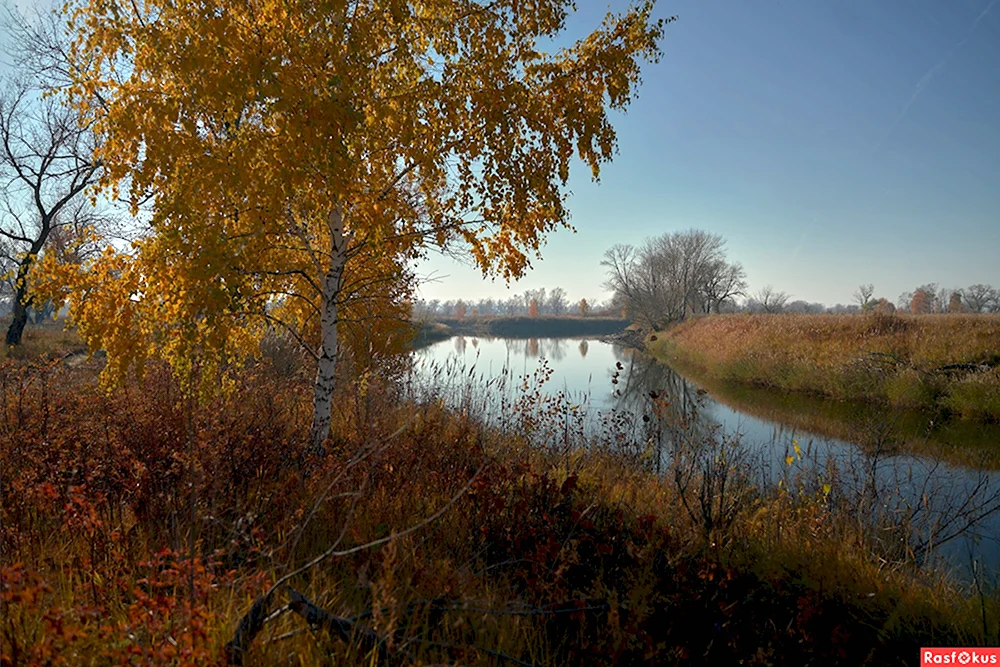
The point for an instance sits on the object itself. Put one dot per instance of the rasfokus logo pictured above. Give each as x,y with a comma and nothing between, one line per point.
959,656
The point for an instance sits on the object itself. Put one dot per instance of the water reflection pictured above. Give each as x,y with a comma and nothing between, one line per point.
614,397
553,349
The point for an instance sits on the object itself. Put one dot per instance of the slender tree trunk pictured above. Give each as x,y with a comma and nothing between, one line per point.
16,328
326,367
23,300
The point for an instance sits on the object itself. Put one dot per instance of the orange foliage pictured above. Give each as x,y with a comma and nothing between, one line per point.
955,304
262,132
921,302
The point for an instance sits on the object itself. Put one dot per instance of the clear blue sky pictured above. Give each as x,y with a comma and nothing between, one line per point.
831,142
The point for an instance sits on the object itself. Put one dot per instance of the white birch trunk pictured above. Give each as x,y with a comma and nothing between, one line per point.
326,367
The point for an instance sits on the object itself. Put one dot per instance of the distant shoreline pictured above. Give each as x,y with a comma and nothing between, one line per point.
432,331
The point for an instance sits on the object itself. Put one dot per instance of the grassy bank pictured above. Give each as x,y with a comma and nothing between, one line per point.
946,363
137,528
872,426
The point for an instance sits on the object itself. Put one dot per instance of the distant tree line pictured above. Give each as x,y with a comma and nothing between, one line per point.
931,298
925,299
530,303
671,277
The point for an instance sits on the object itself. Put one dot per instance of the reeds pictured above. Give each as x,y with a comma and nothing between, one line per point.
944,363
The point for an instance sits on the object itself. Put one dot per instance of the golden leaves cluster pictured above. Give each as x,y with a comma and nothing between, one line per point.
428,122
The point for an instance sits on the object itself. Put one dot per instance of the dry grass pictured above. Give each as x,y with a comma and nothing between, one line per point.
50,340
137,528
949,363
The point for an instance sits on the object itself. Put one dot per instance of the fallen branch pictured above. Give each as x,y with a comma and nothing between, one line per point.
249,627
253,621
351,629
341,627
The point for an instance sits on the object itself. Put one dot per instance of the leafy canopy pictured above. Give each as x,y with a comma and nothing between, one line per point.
244,124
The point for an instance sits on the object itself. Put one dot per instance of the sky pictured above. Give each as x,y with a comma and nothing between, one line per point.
830,142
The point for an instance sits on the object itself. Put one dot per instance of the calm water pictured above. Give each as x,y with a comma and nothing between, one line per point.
590,390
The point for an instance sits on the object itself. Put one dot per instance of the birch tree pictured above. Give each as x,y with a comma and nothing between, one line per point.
279,141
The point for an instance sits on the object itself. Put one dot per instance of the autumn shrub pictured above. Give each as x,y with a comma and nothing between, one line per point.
881,323
94,485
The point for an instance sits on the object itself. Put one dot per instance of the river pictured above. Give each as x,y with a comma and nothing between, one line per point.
569,391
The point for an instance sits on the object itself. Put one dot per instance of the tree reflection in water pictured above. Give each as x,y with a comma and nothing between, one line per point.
666,415
623,402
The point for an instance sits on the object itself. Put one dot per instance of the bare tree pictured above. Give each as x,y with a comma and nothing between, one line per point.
632,279
487,307
864,296
981,298
941,299
771,300
673,276
557,301
723,282
46,163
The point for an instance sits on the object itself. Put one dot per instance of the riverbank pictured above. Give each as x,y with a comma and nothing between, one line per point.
872,426
132,522
633,338
518,327
949,364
